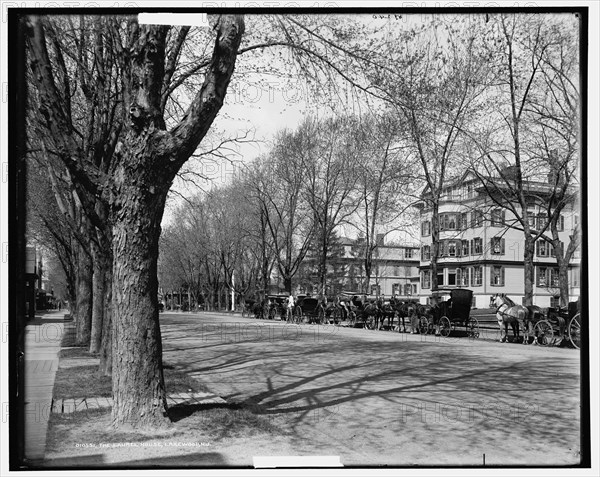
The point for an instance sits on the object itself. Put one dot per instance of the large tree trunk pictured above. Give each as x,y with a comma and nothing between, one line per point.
435,246
138,384
84,299
528,269
105,367
563,280
287,283
99,283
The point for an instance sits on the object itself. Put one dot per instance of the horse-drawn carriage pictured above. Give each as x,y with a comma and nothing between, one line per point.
308,309
561,322
451,308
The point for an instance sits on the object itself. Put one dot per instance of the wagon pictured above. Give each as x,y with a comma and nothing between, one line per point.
308,309
546,328
452,312
278,306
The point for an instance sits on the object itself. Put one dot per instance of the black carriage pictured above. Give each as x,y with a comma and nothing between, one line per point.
308,310
564,322
277,307
451,308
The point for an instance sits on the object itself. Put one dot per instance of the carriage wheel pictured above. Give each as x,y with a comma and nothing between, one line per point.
575,331
473,328
423,325
445,326
544,332
321,316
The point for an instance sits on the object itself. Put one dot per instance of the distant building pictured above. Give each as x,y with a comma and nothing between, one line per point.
395,270
479,251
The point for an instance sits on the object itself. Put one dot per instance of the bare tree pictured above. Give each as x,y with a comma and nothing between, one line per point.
145,161
532,133
384,184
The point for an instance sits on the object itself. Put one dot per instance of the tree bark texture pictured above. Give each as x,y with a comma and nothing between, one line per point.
138,385
528,269
98,307
105,367
85,272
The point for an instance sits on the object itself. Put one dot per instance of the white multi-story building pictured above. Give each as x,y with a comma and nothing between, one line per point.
479,250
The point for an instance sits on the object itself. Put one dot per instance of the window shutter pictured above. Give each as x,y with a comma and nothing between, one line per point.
502,220
471,247
502,245
502,276
457,247
491,275
562,223
537,248
492,245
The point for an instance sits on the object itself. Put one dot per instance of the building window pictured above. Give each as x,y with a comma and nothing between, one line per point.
407,289
448,222
395,289
497,276
464,247
542,277
531,218
452,248
426,252
375,290
497,246
469,191
554,277
476,276
554,301
476,246
408,252
476,218
440,278
542,248
462,277
426,279
451,276
497,218
426,228
463,221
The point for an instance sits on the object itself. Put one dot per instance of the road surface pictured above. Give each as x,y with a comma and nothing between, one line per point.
384,398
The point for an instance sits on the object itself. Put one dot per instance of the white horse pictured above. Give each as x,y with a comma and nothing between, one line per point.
508,312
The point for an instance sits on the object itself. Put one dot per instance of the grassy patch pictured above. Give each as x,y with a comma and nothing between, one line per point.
81,381
84,380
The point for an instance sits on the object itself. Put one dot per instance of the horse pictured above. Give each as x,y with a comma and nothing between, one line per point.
508,312
387,310
404,310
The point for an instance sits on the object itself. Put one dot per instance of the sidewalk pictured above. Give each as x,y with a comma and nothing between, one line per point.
43,337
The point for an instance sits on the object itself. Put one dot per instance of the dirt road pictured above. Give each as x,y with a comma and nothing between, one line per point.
383,398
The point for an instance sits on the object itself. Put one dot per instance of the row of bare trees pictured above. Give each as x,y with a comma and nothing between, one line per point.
115,109
284,211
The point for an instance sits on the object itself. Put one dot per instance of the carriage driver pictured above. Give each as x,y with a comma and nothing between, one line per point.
290,306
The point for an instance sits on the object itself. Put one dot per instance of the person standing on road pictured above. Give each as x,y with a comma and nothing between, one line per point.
290,307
